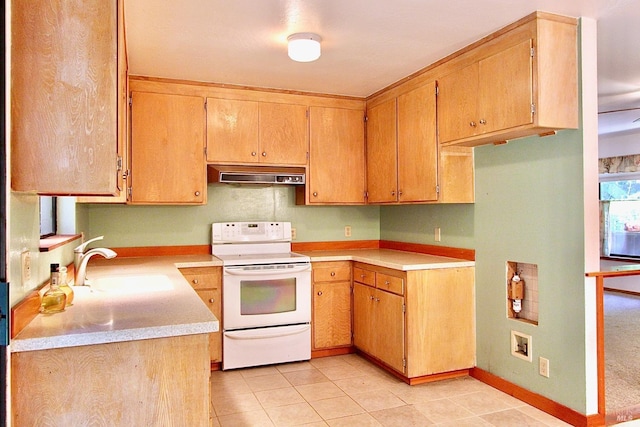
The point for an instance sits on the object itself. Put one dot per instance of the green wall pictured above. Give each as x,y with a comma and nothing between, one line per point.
529,208
127,226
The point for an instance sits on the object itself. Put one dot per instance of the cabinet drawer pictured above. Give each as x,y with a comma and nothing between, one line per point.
334,273
390,283
364,276
203,277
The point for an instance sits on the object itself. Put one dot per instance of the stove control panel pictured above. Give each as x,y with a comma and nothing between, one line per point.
260,231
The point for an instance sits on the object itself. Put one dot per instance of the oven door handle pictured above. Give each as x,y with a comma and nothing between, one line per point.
270,272
252,335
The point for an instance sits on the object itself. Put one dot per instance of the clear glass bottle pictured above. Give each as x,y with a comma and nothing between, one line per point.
64,285
54,300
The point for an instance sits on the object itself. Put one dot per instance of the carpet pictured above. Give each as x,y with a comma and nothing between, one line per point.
622,351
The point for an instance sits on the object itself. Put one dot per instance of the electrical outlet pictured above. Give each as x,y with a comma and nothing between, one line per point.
25,266
347,231
544,367
436,233
293,234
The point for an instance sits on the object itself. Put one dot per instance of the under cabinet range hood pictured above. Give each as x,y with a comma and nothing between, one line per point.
255,174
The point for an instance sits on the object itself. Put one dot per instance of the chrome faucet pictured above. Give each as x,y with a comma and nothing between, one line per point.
81,259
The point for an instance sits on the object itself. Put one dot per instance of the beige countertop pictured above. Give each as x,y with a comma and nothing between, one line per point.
398,260
129,299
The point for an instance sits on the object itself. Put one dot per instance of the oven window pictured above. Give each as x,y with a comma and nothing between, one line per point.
267,296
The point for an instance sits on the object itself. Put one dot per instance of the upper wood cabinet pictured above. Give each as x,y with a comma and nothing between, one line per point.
336,162
521,83
68,87
167,149
249,132
490,95
402,148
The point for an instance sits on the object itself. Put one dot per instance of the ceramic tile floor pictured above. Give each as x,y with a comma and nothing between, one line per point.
349,391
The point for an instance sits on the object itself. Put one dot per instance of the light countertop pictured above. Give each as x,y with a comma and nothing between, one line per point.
129,299
398,260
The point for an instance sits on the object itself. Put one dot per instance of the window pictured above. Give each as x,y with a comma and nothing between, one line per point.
622,227
48,214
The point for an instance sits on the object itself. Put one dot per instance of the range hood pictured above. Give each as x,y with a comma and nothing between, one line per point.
255,174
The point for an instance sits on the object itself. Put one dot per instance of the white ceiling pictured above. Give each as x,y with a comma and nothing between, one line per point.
367,44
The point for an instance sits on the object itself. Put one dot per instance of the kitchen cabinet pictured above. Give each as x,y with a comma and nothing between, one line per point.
331,315
417,322
207,282
337,161
519,84
490,95
256,132
456,176
167,149
147,382
378,324
68,95
402,148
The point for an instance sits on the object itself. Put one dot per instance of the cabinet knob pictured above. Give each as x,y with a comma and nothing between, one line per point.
362,276
377,299
253,153
319,293
393,192
371,297
264,154
472,124
197,193
399,192
386,282
483,122
195,281
315,194
333,273
212,300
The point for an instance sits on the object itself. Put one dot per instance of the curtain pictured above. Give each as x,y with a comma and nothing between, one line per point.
619,164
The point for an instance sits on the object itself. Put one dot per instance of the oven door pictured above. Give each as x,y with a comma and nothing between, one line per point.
266,295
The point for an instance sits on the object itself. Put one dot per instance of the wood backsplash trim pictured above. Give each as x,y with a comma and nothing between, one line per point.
143,251
334,245
447,251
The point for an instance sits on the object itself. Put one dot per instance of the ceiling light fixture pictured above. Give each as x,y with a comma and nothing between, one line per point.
304,47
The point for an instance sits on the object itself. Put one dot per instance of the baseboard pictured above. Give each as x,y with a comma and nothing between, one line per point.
545,404
331,352
622,291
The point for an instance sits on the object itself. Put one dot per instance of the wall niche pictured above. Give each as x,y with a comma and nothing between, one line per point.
522,291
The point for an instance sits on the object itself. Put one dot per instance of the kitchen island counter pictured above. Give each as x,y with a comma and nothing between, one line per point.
397,260
129,299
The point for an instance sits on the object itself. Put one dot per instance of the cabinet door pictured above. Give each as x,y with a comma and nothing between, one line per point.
64,97
336,162
331,314
167,149
207,282
283,134
211,297
363,327
506,89
232,131
417,145
382,172
458,104
388,325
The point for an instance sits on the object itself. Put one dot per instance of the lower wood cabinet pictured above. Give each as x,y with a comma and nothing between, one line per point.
207,282
419,322
331,320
